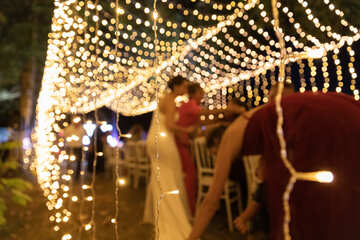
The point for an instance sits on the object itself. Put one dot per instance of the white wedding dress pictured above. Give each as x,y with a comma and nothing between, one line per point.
173,211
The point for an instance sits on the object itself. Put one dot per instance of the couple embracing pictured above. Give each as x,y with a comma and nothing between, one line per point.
171,194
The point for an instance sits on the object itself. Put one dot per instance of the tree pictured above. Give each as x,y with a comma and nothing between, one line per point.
24,26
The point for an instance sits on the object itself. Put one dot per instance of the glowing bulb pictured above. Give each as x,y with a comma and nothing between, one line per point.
111,141
87,227
89,128
325,177
319,176
66,237
106,127
86,140
316,53
155,15
74,199
77,119
113,220
127,135
163,134
121,181
174,192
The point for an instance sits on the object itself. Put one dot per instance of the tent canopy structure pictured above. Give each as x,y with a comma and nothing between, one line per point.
120,54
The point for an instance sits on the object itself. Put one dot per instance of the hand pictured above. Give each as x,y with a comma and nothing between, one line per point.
240,224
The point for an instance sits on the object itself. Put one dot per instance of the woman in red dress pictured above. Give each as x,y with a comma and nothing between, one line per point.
189,115
322,133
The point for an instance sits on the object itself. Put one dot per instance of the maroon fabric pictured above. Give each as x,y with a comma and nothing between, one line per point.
322,133
189,114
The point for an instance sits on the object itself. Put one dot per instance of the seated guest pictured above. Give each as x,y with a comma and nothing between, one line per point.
322,133
255,212
214,138
237,171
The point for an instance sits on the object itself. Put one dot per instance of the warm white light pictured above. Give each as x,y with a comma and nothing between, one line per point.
174,192
162,134
128,135
325,177
316,53
121,181
87,227
106,127
77,119
66,237
319,176
74,199
155,15
111,141
86,140
89,128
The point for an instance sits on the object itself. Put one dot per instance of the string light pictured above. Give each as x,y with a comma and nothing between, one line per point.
325,74
95,60
352,73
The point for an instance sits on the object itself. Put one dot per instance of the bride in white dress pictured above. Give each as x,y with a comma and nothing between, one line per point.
167,181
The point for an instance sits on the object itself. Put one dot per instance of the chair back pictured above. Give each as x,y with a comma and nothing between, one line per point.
130,154
203,158
141,153
251,163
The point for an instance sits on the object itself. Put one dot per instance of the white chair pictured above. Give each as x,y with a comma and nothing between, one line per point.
143,166
251,163
205,167
129,159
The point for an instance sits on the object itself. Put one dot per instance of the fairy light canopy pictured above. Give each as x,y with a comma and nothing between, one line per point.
105,53
104,62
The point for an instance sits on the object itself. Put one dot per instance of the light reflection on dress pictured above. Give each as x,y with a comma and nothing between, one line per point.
173,218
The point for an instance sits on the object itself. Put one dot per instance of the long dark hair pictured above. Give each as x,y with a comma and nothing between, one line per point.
176,81
193,88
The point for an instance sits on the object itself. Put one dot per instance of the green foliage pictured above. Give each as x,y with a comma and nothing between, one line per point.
11,187
24,26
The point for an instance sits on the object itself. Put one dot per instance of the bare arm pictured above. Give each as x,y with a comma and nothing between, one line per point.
250,211
232,109
227,152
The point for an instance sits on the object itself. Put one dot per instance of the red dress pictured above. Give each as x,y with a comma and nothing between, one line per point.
322,133
189,114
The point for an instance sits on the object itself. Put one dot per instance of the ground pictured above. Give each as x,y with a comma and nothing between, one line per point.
32,222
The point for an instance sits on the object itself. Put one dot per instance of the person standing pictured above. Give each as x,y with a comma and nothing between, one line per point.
321,132
166,196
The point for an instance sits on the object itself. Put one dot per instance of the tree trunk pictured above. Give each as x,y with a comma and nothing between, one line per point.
28,76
